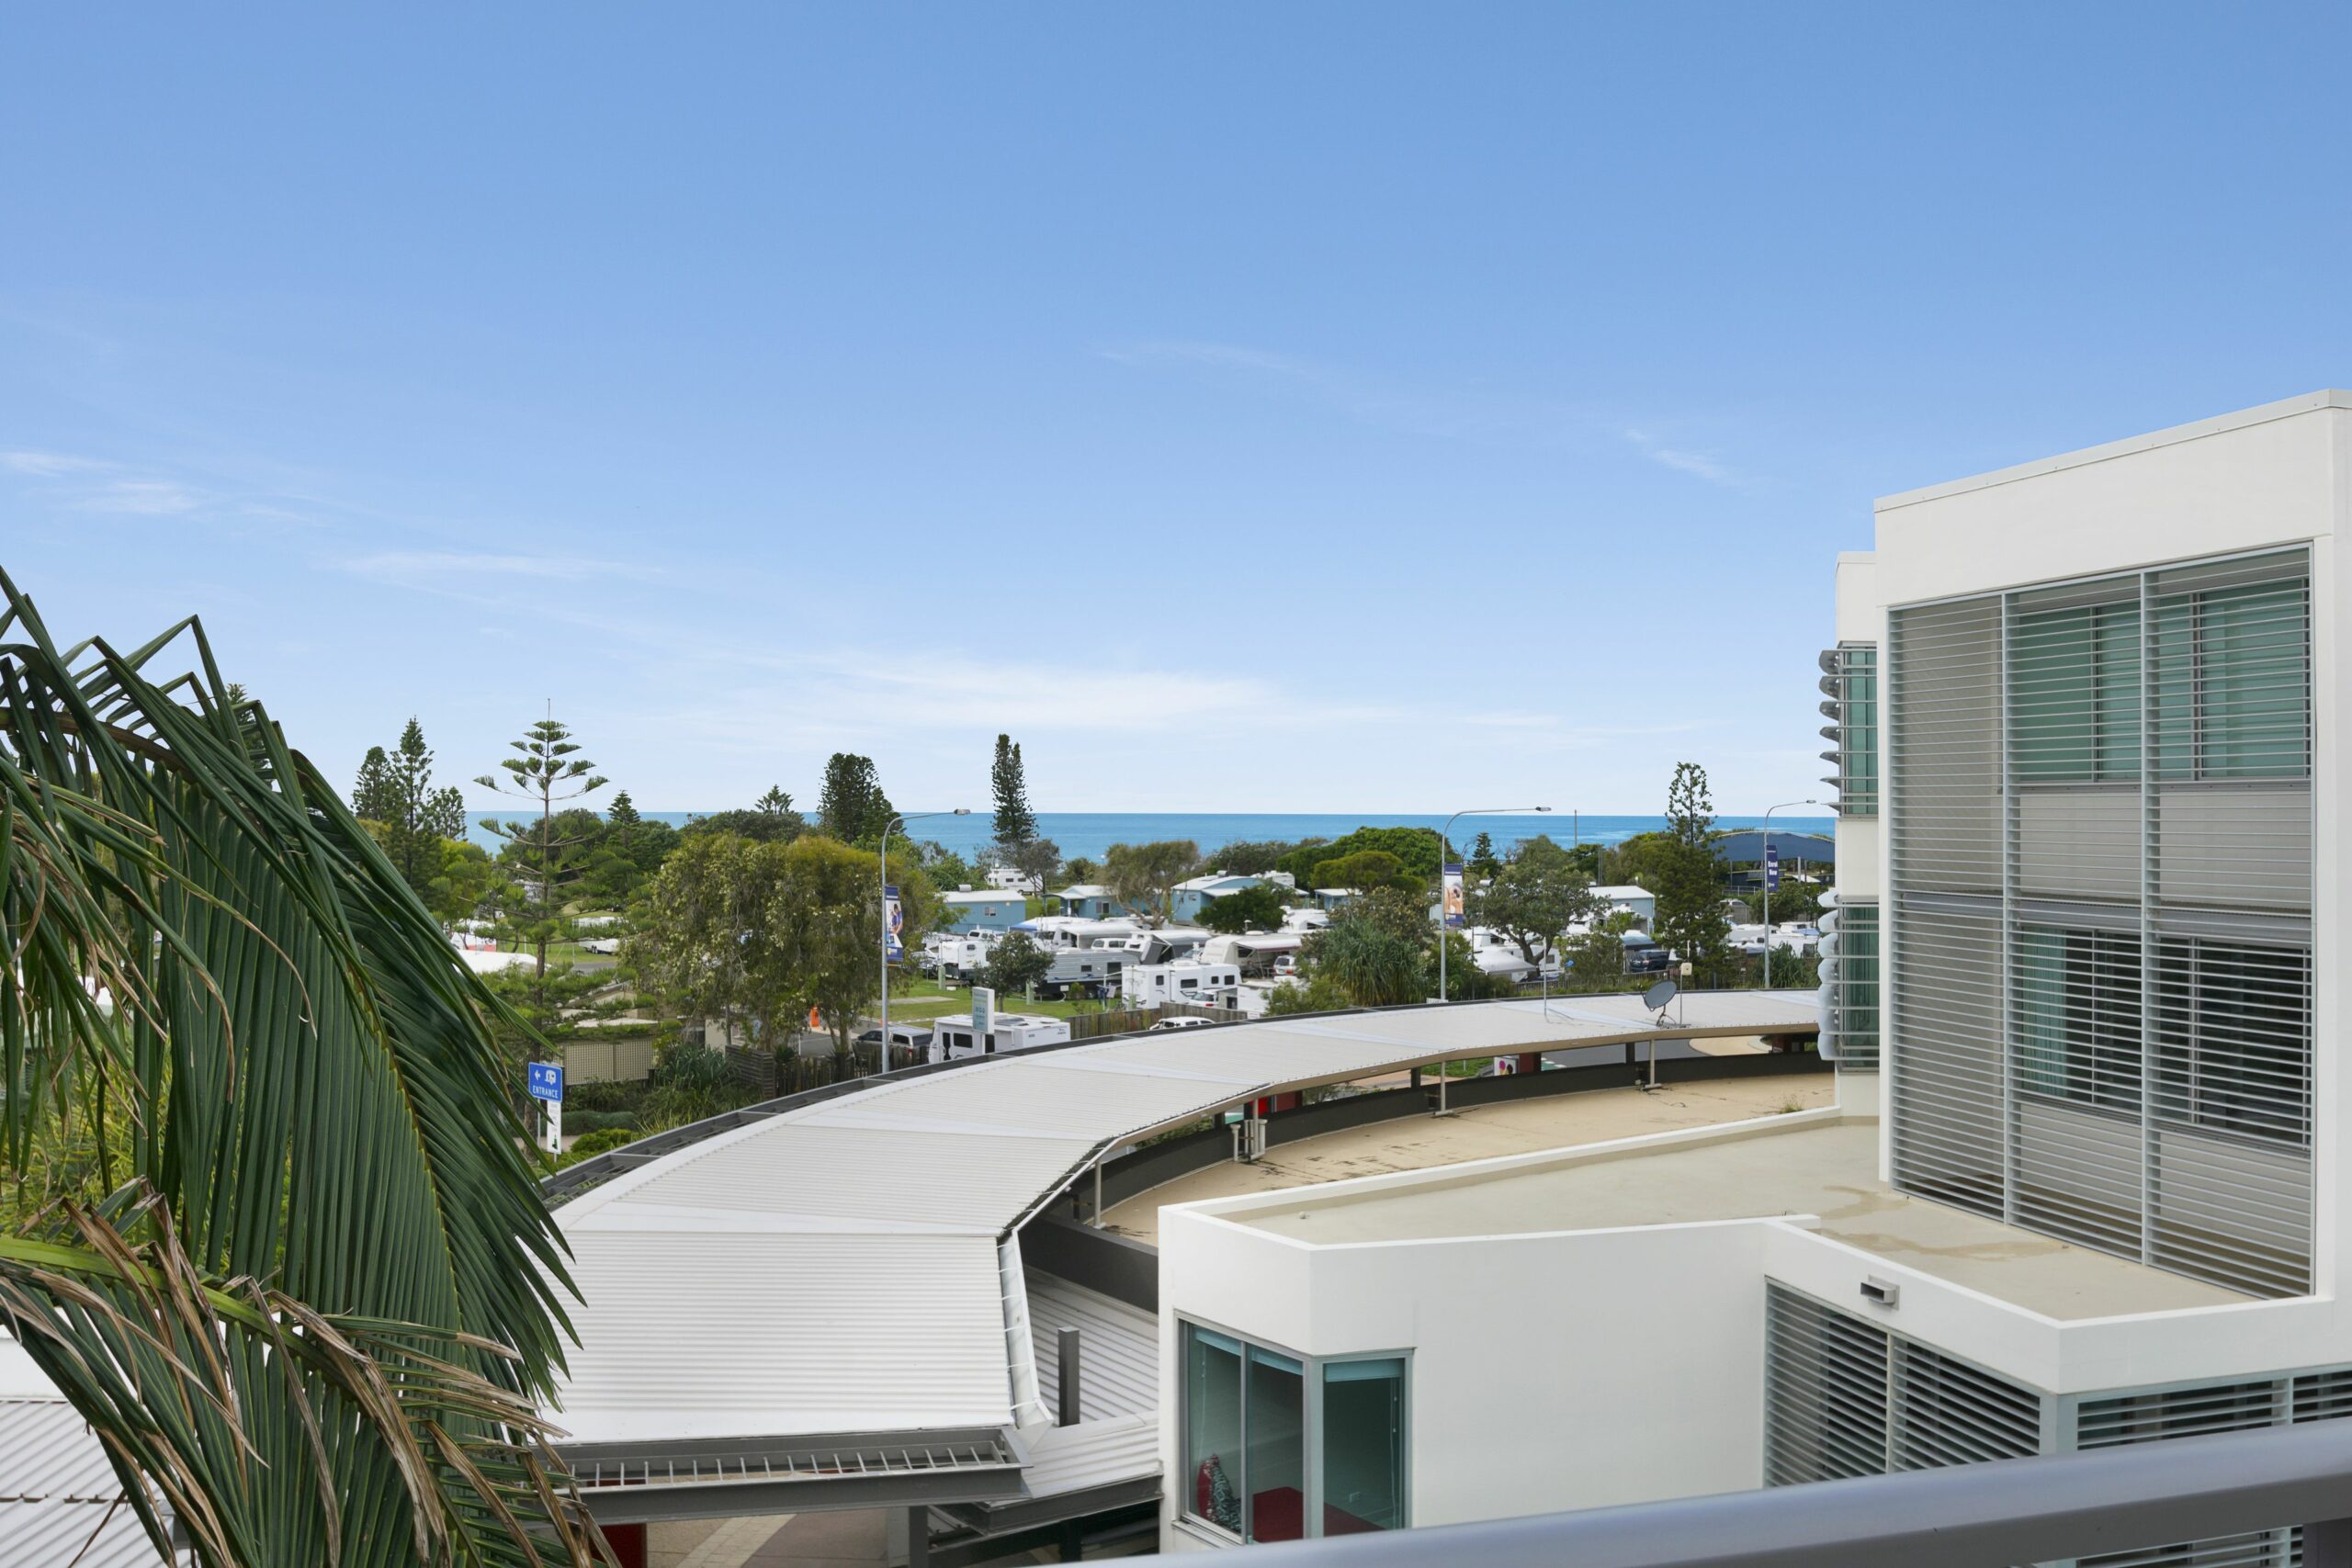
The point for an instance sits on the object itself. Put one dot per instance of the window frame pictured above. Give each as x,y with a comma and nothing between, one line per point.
2072,1074
1311,1455
2111,749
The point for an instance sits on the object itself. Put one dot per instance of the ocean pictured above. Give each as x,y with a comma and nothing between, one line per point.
1089,833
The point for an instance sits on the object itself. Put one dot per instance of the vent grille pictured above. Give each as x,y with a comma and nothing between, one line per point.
2099,918
1844,1397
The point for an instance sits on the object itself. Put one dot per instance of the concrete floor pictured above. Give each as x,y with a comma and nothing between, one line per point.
1420,1143
1830,1171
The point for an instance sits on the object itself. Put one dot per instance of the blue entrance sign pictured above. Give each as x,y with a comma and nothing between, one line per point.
545,1081
1771,867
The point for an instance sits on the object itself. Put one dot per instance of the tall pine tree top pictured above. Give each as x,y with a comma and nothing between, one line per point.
1015,824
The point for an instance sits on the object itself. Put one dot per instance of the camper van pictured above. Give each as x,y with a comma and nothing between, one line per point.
955,1038
1254,953
1204,984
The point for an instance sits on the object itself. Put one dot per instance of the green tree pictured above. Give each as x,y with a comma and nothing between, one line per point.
1364,871
1688,886
1254,909
397,791
852,806
1039,858
1416,849
1144,877
310,1207
1016,965
760,827
1080,869
1015,824
1482,861
1537,896
545,769
1255,857
1369,964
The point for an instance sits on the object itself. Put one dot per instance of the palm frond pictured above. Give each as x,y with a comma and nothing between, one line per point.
207,955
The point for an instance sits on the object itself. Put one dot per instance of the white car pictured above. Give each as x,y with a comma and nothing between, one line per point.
1180,1024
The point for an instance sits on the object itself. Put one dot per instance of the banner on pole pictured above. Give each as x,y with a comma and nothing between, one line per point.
983,1014
894,923
1771,867
1455,915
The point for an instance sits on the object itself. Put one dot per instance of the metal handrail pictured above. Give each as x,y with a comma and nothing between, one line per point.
1971,1516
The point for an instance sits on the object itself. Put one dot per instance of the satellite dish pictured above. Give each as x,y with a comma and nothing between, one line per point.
1658,996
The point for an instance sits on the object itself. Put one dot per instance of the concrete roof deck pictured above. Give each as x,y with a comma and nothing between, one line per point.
1826,1168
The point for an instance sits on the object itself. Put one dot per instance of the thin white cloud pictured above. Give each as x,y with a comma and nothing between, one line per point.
1471,417
413,566
1681,459
141,498
48,465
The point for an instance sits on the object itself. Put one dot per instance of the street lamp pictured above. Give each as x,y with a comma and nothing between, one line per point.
1767,871
882,1049
1445,837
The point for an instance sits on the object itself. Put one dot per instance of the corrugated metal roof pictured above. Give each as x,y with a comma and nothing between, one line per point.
805,1274
724,1333
1118,1359
1091,1454
57,1493
57,1532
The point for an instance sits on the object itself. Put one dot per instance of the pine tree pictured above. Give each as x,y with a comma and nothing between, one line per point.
395,791
1015,824
1690,919
852,806
622,814
545,771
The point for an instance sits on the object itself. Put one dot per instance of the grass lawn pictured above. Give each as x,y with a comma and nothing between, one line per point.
929,998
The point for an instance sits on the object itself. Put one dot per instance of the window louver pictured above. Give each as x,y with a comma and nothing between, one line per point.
2099,911
1844,1397
2111,1421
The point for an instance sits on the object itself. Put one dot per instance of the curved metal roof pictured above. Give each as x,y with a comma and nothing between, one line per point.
846,1266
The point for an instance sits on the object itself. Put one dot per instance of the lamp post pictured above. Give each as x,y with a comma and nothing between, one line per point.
1768,882
1444,836
882,1049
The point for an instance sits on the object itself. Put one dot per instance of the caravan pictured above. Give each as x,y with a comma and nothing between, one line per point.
955,1038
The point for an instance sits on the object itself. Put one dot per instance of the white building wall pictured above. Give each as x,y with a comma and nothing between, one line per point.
1546,1373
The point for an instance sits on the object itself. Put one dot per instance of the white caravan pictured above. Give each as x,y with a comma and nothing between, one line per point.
954,1038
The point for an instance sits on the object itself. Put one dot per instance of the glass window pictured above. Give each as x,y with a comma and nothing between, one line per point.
1363,1446
1858,986
2074,694
1255,1468
1856,717
1277,1446
2233,1036
1213,1428
2230,692
2078,1016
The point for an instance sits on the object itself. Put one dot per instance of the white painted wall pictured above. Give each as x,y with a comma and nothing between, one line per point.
1547,1372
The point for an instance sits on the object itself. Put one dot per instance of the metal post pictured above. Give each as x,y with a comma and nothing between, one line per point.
1098,1194
1445,837
1066,1357
2328,1544
919,1536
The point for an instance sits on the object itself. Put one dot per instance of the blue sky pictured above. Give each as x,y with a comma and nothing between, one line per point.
1312,407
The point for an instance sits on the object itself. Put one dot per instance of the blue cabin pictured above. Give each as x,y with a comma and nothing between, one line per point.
986,909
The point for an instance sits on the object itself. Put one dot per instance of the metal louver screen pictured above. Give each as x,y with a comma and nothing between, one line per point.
2111,1421
1844,1397
1943,972
2099,917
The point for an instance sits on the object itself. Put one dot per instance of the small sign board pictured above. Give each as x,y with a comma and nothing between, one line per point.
545,1081
1771,867
983,1013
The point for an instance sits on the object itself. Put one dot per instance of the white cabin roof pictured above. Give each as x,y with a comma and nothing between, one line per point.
1622,893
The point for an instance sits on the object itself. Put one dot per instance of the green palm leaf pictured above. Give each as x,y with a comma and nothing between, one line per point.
299,1276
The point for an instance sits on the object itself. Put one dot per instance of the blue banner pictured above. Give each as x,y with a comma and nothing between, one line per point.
894,924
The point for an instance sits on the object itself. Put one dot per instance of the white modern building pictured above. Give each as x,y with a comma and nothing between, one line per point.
2083,1183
